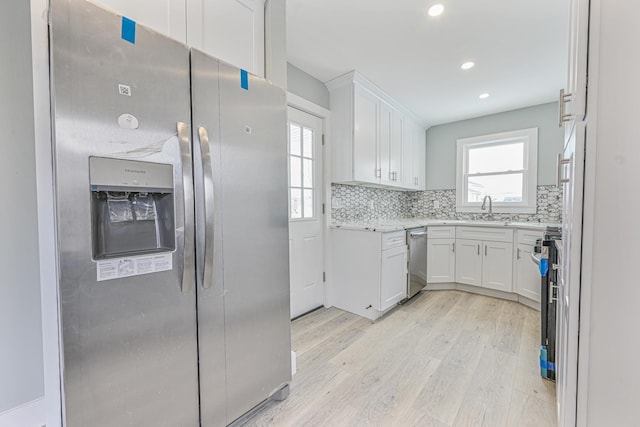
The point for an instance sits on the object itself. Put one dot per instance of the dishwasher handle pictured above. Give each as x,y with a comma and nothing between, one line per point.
420,234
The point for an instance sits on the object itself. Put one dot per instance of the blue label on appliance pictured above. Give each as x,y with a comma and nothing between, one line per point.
129,30
244,79
543,267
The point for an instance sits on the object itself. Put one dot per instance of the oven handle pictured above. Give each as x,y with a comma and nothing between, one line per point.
535,259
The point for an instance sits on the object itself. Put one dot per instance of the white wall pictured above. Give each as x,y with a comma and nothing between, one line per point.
441,142
307,86
21,351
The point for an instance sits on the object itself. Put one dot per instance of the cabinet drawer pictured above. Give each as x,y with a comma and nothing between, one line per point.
436,232
393,239
529,237
485,233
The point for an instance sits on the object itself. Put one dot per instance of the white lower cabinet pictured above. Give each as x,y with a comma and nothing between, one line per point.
441,254
487,259
528,280
497,261
393,276
441,260
527,276
369,271
468,262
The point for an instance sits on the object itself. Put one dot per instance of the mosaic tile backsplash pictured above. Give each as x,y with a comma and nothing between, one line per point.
351,203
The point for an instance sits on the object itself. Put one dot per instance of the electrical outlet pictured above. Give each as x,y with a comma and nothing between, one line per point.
436,204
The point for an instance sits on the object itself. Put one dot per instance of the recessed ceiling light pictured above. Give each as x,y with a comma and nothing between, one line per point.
468,65
436,10
483,96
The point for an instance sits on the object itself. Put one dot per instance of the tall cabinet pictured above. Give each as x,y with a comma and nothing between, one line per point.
375,140
600,207
574,118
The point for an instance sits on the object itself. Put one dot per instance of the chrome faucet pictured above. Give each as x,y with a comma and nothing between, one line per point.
484,204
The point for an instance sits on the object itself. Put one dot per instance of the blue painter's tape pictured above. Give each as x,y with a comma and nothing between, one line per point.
129,30
94,188
551,366
244,79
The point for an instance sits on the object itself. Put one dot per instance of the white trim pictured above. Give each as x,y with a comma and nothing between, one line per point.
30,414
530,173
307,106
52,402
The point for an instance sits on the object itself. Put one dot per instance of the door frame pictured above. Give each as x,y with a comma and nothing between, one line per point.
302,104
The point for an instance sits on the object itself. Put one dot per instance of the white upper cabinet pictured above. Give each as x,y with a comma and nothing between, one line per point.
167,17
373,138
573,99
232,30
413,156
365,139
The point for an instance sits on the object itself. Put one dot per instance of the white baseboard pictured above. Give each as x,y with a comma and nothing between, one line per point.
483,291
31,414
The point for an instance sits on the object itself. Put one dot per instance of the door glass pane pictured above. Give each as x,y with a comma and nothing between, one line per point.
307,143
501,188
294,139
296,203
308,173
308,203
496,158
295,172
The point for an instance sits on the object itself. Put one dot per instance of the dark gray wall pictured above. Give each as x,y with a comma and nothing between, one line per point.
441,142
21,360
307,86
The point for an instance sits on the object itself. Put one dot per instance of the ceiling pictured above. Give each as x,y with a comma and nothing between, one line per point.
519,47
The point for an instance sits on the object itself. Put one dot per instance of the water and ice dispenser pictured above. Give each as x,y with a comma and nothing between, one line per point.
131,207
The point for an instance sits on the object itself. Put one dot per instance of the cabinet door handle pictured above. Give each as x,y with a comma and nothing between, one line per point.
453,247
562,117
478,249
379,173
485,250
561,162
518,256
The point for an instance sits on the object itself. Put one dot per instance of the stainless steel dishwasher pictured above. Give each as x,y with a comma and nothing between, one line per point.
417,243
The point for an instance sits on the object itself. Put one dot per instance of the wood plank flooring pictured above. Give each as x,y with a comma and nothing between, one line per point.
446,358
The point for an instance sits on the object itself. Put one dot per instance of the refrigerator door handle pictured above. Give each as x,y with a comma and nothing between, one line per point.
207,173
188,246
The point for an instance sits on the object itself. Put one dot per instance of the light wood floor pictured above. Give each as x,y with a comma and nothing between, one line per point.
447,358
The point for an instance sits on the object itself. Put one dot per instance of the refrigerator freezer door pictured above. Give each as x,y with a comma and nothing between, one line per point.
207,167
129,343
255,236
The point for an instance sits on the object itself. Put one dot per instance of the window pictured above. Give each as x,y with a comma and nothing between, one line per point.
301,164
503,166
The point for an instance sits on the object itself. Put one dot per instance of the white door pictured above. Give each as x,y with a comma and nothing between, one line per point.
497,266
305,212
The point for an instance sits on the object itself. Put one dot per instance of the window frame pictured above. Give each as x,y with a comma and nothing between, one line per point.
529,173
302,158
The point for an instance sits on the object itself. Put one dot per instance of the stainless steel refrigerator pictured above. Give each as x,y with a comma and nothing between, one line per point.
173,246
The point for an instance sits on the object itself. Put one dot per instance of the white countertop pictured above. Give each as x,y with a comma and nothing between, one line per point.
403,224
